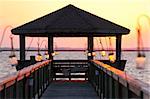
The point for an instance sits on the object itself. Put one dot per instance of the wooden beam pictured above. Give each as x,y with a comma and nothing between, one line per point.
50,47
118,47
22,47
90,46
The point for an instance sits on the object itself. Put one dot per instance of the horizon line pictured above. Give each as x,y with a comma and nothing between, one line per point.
76,50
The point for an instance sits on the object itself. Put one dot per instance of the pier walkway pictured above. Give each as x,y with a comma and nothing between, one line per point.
100,81
70,90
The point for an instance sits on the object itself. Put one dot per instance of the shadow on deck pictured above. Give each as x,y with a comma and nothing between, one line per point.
70,90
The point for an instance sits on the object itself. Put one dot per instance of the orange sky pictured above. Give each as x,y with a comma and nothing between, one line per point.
122,12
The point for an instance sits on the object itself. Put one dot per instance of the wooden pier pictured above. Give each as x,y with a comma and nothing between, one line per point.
39,79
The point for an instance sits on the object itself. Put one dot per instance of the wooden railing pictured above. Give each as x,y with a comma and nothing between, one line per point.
70,69
112,83
109,82
29,82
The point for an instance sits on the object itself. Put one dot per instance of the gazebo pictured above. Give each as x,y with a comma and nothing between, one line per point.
70,21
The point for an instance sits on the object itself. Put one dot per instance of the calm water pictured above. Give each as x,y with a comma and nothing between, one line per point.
130,68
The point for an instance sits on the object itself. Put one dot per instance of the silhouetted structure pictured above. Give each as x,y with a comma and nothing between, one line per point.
108,82
70,21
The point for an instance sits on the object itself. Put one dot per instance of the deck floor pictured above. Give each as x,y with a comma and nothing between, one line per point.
70,90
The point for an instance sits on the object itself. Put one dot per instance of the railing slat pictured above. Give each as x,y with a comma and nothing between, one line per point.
24,84
67,67
115,83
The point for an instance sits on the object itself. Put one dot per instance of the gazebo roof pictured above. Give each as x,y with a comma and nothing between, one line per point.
70,21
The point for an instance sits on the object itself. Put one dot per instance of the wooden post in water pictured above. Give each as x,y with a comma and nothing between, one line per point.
22,47
50,47
118,47
90,47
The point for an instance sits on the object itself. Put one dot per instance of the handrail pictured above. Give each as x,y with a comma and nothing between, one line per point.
112,69
70,69
136,86
70,60
21,74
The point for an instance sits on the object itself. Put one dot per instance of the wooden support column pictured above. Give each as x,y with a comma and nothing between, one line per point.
90,47
22,47
50,47
118,47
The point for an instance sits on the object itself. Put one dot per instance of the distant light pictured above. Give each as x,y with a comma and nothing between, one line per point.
103,53
140,61
53,54
38,57
93,54
46,55
86,52
56,53
89,54
111,57
13,60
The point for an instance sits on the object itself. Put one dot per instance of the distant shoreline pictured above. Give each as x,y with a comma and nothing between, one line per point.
75,50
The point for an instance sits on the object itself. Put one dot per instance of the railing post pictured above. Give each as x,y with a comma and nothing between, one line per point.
40,79
49,73
89,71
110,84
4,92
44,78
31,89
105,83
43,81
96,79
123,88
141,95
38,83
101,83
42,88
115,86
15,89
35,83
24,86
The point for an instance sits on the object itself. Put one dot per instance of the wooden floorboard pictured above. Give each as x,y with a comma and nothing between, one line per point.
69,90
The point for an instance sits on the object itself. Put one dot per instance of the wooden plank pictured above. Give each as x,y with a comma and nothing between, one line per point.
70,76
70,90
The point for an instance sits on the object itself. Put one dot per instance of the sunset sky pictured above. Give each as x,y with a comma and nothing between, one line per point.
122,12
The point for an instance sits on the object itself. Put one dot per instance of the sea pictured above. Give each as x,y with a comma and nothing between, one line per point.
130,56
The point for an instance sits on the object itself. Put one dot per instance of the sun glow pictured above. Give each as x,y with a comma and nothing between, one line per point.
122,12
